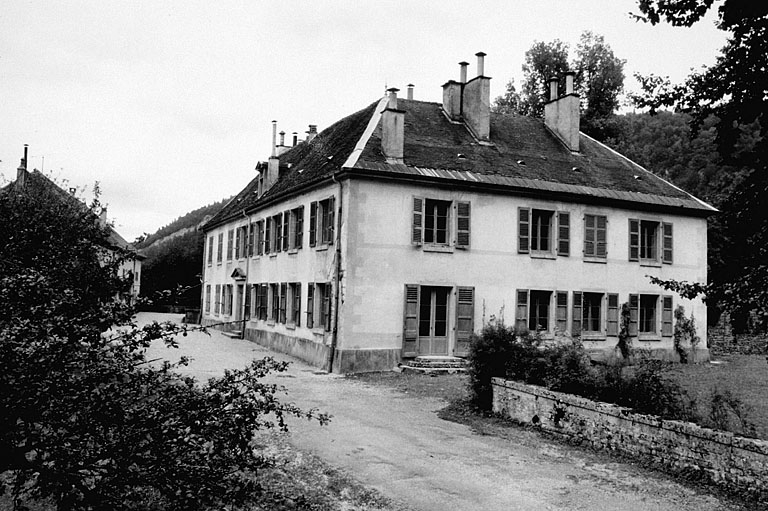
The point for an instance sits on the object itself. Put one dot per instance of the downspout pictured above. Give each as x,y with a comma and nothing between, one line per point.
246,292
337,294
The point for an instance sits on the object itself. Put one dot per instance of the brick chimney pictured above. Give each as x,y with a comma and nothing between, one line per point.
392,129
312,132
452,93
476,102
561,114
21,172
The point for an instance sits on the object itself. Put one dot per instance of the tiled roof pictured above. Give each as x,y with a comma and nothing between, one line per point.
523,157
37,183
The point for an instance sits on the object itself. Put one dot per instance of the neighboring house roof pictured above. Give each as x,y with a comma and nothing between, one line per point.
36,183
523,157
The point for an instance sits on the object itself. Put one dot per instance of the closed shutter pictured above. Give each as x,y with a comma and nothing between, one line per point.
561,311
613,315
330,228
299,226
286,230
297,304
666,316
634,314
417,223
590,241
310,305
278,228
251,239
312,224
601,228
634,239
666,253
238,241
462,225
283,300
248,288
327,305
563,233
411,321
465,318
576,314
523,230
521,313
267,235
260,237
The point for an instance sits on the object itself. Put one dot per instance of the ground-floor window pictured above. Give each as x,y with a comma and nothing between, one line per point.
591,313
217,303
294,298
208,298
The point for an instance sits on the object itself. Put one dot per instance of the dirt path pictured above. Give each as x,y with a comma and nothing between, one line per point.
398,445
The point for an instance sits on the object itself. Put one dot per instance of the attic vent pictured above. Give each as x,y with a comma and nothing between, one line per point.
300,171
576,169
637,177
543,157
330,157
521,162
462,156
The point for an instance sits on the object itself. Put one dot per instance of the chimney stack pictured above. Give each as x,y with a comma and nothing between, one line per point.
463,71
452,94
295,138
274,139
312,132
282,138
410,91
273,164
392,129
561,114
476,102
21,172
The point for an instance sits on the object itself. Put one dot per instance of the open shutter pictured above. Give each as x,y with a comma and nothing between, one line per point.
523,230
462,224
327,305
238,241
251,239
330,228
278,227
601,242
411,321
590,249
418,221
634,239
666,316
248,289
286,230
563,233
666,252
310,305
299,226
521,313
613,315
634,314
297,303
561,311
267,235
576,314
313,224
465,316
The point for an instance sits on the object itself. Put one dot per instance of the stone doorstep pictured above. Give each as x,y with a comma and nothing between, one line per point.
432,370
435,364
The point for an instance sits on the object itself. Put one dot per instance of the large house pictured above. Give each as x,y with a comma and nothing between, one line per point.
36,183
404,227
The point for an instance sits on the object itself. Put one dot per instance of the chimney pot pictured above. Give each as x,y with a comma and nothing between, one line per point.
480,63
463,72
274,139
392,103
410,91
553,88
282,138
21,172
295,138
569,82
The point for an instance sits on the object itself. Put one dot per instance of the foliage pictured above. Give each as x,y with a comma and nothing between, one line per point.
625,340
729,413
187,221
732,90
542,62
86,422
509,102
171,272
684,333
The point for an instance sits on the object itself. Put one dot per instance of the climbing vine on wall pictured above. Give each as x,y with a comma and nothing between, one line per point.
685,334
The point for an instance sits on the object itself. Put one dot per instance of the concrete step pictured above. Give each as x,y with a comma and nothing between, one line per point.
435,364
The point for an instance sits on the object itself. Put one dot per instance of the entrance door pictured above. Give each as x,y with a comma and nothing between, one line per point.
433,320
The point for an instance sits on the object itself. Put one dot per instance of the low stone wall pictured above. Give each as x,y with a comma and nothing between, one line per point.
730,461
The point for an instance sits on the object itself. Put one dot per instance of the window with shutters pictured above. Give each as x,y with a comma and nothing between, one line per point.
322,303
595,237
539,310
592,313
322,215
650,241
428,323
230,243
228,294
276,233
274,301
238,242
283,306
543,233
220,246
294,302
310,305
440,225
217,301
295,228
251,239
285,232
262,301
208,297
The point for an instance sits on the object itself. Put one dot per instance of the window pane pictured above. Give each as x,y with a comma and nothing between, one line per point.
539,310
647,320
425,312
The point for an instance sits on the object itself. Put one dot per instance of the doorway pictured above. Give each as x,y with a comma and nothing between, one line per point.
433,320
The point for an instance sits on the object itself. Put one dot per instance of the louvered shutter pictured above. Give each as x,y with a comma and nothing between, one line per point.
297,303
465,320
613,315
299,226
601,235
561,311
238,241
563,233
666,252
248,289
330,228
523,230
666,316
590,249
327,305
278,228
462,225
634,314
576,314
634,239
411,321
313,224
267,235
251,238
521,313
310,305
286,230
417,222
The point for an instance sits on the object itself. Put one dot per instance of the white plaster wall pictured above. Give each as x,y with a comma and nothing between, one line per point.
380,260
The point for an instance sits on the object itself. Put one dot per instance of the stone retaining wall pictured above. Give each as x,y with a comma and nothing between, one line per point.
733,462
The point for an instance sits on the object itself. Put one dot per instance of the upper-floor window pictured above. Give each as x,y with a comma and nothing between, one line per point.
241,242
230,243
220,251
650,241
210,250
321,222
440,223
296,228
543,232
596,236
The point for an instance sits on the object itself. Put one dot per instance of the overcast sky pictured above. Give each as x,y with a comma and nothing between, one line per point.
168,105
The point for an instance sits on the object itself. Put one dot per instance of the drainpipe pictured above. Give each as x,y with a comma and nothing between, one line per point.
247,271
337,294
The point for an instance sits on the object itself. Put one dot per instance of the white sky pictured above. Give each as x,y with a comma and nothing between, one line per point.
169,104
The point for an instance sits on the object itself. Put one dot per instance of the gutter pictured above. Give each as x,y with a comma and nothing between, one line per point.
337,292
247,271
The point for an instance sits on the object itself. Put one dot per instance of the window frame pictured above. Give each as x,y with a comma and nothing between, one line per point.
593,234
663,241
529,232
458,220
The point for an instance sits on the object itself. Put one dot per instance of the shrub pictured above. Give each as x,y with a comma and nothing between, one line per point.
685,333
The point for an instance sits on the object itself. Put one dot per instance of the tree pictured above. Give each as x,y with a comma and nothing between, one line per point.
599,80
509,102
733,90
542,62
86,422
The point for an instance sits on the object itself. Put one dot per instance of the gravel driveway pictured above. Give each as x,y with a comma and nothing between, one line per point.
397,444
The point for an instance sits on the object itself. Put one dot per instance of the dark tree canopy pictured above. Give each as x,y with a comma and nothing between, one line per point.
542,62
